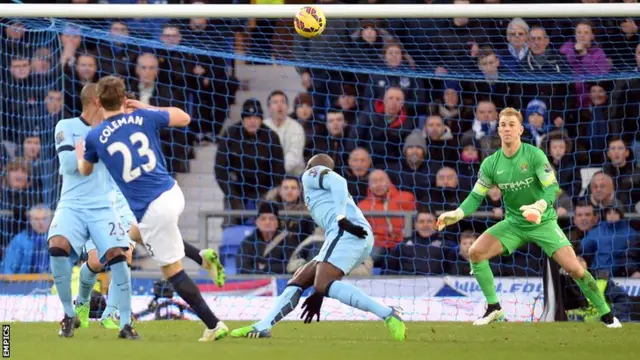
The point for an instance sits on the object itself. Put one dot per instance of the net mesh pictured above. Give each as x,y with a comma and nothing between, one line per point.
415,99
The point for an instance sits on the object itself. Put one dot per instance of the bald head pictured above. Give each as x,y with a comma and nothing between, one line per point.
320,160
88,94
379,183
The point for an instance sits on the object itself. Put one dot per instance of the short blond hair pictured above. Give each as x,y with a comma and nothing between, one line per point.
509,111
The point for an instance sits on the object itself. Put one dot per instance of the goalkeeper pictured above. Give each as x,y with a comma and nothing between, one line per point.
529,188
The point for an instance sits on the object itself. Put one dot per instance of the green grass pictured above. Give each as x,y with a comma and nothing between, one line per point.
335,340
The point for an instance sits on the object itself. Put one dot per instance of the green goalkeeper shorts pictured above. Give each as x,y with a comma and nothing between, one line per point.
548,236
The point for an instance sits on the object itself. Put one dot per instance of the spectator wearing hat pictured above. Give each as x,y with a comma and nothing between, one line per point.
469,164
268,248
610,247
536,122
411,174
249,160
290,132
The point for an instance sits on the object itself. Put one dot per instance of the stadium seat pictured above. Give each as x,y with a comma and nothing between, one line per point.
231,239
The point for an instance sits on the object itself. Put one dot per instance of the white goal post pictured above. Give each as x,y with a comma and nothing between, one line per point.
331,11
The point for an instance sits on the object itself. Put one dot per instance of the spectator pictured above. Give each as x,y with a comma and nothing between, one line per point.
423,253
439,140
484,128
536,122
383,196
623,172
469,164
290,132
313,129
41,62
18,196
116,57
383,131
446,195
150,90
460,263
585,57
348,104
602,193
517,51
625,101
542,58
268,248
357,173
585,218
18,96
71,41
84,71
412,173
609,245
246,151
288,197
454,115
335,143
27,252
558,147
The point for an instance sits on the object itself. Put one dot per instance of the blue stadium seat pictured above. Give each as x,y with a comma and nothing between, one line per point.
231,239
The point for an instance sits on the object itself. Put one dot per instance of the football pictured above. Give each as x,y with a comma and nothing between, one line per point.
310,21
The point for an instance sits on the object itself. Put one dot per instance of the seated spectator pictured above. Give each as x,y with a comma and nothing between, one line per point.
608,246
450,109
469,164
412,173
383,196
334,143
423,253
460,263
536,123
41,63
28,252
601,193
623,172
439,140
116,57
514,57
585,57
558,147
84,71
383,131
542,58
492,88
484,128
288,197
313,129
268,248
357,173
18,196
240,171
290,132
584,219
446,195
149,90
348,104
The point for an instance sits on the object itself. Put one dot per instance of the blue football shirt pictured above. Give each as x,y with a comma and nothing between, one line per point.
129,147
78,191
326,195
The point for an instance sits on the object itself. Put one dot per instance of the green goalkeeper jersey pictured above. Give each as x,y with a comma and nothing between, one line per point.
523,179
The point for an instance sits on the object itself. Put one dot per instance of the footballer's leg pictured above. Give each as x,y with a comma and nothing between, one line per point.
555,244
107,317
67,235
88,277
491,243
285,303
342,255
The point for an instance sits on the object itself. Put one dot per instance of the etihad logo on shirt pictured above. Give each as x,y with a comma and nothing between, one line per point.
516,185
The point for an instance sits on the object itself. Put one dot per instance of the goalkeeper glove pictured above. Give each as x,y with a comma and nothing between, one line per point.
533,212
351,228
449,218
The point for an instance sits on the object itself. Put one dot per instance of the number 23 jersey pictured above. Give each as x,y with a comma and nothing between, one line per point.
129,146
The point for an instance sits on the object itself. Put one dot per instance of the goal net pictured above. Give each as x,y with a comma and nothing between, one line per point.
407,108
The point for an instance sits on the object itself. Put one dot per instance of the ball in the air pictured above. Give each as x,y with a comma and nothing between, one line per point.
310,21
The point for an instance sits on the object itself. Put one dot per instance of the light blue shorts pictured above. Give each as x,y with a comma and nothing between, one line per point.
345,251
126,218
103,226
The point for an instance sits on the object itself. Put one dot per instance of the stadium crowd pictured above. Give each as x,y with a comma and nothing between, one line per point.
405,143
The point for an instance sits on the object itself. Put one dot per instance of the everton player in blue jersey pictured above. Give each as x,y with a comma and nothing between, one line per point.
129,146
86,210
207,258
348,241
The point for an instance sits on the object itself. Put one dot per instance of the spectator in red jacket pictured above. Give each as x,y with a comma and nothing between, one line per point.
383,196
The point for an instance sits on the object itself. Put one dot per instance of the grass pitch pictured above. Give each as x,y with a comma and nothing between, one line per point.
294,340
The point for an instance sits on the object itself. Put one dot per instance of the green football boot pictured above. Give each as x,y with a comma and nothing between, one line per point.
213,265
395,324
250,332
82,313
